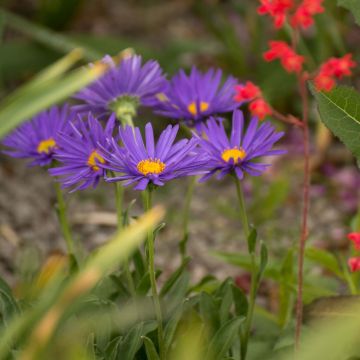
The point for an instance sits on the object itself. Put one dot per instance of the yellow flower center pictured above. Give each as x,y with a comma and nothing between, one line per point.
46,146
95,158
237,154
150,166
193,108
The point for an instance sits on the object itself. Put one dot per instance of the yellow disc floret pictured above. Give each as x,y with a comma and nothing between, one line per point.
94,159
192,108
150,166
46,146
237,154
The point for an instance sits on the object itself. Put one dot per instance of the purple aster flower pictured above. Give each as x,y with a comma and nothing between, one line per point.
197,96
123,88
153,163
239,153
37,139
79,153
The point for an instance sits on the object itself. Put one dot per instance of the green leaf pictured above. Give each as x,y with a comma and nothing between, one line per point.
226,302
340,112
42,96
252,241
325,259
150,349
353,6
209,311
174,277
263,260
240,301
224,338
8,305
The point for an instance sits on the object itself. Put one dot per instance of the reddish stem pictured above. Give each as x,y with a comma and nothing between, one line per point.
289,119
306,204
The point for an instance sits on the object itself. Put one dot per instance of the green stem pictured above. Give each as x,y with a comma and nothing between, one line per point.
119,199
64,224
126,119
186,216
156,300
244,336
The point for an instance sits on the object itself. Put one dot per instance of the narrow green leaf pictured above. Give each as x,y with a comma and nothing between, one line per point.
325,259
173,278
224,338
48,93
8,305
353,6
226,302
252,241
209,311
240,301
340,111
263,260
150,349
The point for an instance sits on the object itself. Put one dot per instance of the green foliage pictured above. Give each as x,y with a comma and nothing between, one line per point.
353,6
340,112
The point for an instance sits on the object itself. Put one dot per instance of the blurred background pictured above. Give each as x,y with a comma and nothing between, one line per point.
180,33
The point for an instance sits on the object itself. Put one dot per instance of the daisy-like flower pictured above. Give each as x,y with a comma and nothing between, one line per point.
37,139
240,153
123,88
158,163
197,96
79,153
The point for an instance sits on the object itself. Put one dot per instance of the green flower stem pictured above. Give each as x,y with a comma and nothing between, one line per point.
156,300
119,199
186,216
244,336
126,119
63,220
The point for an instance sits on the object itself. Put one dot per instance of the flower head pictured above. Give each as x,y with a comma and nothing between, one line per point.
277,9
355,238
37,139
197,96
123,88
238,153
290,60
158,163
246,92
354,264
303,16
332,69
79,153
260,108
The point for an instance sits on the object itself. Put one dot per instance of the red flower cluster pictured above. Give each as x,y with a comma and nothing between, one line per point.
290,60
303,16
331,69
354,262
250,92
300,16
277,9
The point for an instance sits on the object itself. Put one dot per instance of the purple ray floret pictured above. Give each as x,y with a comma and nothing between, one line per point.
151,162
197,96
79,153
129,79
37,139
239,153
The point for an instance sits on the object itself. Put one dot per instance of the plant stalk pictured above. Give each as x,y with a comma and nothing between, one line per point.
244,336
151,265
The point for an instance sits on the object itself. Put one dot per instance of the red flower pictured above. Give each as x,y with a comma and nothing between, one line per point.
334,67
260,108
290,60
304,13
276,9
324,82
245,92
355,238
354,264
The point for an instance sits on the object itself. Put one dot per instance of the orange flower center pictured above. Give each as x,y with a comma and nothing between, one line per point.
237,154
94,159
46,146
151,166
193,110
